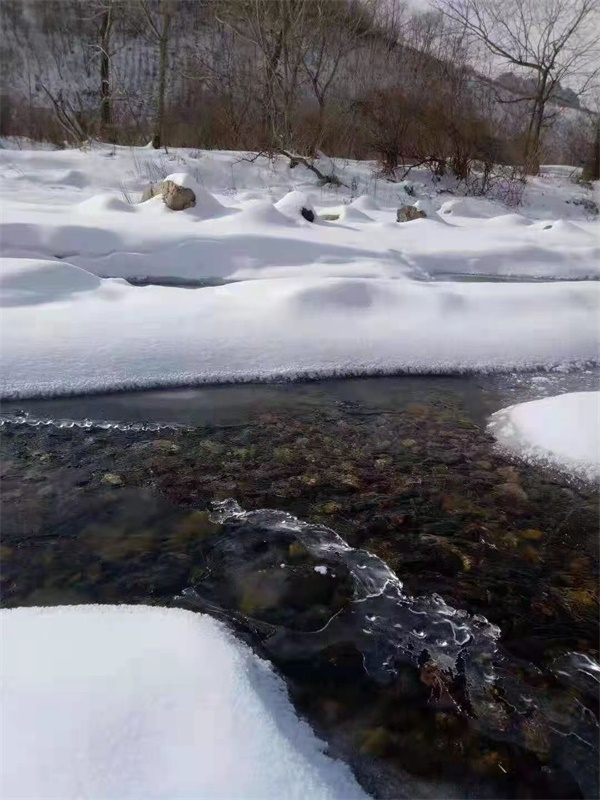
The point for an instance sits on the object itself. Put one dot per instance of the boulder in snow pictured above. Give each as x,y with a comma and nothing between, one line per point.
409,213
177,197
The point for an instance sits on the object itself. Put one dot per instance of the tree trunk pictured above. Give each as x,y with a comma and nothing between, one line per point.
534,131
591,169
105,102
320,132
158,137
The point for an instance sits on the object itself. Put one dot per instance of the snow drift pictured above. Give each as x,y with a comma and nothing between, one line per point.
115,336
562,430
116,702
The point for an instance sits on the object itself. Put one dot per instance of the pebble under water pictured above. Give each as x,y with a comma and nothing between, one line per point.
432,605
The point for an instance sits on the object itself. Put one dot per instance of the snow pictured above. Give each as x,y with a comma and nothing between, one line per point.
116,336
356,294
292,203
27,281
206,206
563,430
121,702
321,569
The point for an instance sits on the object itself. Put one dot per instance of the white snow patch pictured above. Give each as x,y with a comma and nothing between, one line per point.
321,569
331,298
29,281
564,430
470,207
117,702
364,203
345,213
262,213
292,204
100,203
110,335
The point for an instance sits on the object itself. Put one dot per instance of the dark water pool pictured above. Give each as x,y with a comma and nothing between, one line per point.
432,605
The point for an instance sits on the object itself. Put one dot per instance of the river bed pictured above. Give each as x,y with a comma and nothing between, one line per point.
432,604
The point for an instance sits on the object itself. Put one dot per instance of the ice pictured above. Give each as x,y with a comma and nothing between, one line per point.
116,702
563,430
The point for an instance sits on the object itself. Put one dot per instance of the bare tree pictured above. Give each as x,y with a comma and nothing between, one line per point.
102,15
106,23
158,18
556,40
276,31
335,29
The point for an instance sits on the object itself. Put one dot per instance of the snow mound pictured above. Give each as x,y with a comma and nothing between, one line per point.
29,281
292,204
364,203
509,221
73,177
129,702
562,226
206,206
262,213
563,430
347,213
469,207
104,202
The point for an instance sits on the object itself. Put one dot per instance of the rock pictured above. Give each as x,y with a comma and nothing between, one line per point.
510,492
112,480
308,214
166,446
509,474
176,197
409,213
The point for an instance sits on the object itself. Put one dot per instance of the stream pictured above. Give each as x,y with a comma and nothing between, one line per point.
431,602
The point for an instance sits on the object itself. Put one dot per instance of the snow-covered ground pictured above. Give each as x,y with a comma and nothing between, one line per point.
562,430
116,702
353,292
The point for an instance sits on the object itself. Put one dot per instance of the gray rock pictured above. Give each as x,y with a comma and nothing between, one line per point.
510,493
177,198
112,480
409,213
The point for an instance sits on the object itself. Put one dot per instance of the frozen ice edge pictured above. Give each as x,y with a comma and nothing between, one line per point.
46,390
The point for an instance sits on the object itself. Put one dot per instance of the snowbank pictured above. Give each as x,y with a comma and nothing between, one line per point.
121,702
115,336
28,281
331,298
564,430
71,204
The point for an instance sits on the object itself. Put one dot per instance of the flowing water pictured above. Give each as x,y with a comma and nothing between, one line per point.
432,605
